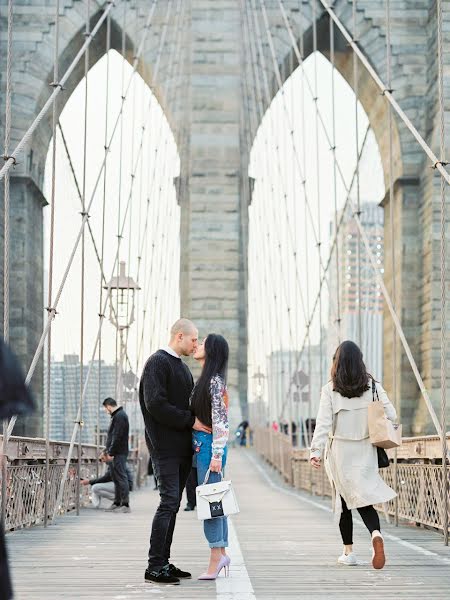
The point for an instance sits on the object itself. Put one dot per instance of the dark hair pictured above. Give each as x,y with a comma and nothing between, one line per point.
216,363
348,373
109,402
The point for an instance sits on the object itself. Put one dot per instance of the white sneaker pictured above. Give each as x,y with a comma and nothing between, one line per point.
348,559
378,557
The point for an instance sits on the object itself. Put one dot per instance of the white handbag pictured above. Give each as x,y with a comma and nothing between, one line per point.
215,499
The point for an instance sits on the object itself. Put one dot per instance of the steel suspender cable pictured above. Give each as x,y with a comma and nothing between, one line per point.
47,411
387,93
330,255
319,228
333,150
358,201
287,119
107,298
395,396
27,136
119,193
6,241
52,311
83,248
365,240
445,482
102,245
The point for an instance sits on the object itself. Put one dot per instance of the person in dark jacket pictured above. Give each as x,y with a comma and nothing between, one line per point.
116,453
165,388
103,486
15,399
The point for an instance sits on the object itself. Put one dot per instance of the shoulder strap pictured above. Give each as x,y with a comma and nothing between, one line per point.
374,391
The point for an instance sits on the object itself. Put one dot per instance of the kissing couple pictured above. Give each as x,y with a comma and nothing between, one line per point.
181,419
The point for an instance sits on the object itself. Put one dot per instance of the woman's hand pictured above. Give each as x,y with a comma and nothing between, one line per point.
315,462
215,465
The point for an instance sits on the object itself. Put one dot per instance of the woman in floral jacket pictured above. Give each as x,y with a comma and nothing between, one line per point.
209,403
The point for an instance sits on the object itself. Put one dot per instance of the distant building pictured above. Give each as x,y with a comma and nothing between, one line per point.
294,382
65,397
371,342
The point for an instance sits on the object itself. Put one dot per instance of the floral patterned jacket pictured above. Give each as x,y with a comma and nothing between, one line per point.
219,417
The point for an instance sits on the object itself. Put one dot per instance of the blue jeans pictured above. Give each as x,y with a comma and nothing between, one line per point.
216,530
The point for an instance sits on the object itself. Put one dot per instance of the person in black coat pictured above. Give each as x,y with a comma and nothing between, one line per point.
15,399
116,453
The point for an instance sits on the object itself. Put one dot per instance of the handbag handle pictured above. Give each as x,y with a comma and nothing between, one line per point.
207,476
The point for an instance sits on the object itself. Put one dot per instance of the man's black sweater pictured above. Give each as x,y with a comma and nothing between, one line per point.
117,439
164,392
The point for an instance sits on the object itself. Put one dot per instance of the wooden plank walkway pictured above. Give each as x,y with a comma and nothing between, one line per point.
284,544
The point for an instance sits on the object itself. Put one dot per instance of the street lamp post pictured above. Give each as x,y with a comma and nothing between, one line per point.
259,377
123,289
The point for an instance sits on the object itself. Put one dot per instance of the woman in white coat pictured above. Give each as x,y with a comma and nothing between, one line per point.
351,461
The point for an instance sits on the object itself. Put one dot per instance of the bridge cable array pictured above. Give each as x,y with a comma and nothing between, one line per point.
252,37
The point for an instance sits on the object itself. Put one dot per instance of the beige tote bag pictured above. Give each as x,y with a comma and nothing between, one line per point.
382,432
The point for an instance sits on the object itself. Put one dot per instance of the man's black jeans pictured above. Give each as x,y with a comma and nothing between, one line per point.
171,474
120,478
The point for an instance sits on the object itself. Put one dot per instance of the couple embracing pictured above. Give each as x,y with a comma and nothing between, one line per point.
179,418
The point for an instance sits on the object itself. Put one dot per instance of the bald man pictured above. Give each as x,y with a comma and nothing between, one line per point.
164,393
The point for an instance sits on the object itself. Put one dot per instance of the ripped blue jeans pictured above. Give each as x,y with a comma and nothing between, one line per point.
216,530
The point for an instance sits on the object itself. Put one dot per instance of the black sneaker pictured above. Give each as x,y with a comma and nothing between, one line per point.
161,576
176,572
189,507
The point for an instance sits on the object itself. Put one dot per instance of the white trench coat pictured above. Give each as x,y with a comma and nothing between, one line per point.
351,462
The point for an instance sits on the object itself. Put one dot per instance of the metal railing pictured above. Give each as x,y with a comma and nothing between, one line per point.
25,484
419,487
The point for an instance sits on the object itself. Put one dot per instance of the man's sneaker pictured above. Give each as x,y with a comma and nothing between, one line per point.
124,509
113,507
161,576
378,557
348,559
176,572
189,507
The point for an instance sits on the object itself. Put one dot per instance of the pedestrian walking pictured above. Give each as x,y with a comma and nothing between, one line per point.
116,453
165,388
351,461
209,404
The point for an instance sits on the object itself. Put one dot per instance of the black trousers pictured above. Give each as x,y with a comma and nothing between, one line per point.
172,474
191,484
369,516
120,479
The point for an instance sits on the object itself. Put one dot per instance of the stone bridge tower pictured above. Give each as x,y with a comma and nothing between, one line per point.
213,135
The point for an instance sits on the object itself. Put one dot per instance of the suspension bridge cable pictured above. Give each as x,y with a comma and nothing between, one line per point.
387,93
333,149
6,239
366,242
107,298
392,241
289,124
102,254
443,232
52,310
358,199
330,255
47,411
319,220
83,249
12,159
